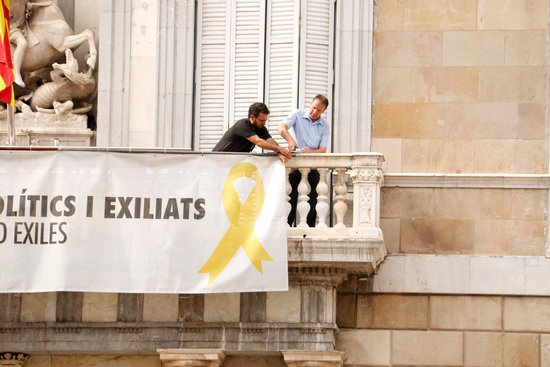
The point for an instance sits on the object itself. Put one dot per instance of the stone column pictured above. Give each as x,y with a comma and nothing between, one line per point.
306,358
113,93
174,124
145,86
191,357
318,291
13,359
353,76
367,176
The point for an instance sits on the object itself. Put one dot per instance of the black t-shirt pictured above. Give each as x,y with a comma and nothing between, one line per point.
235,139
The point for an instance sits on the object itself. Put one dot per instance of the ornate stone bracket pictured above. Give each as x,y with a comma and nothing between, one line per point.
214,358
303,358
191,357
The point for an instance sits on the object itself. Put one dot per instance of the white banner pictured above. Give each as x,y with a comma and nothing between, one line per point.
159,223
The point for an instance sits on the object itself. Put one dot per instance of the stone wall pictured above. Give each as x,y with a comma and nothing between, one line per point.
449,330
481,221
460,86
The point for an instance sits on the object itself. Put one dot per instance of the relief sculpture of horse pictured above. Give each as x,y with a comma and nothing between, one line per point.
48,37
48,34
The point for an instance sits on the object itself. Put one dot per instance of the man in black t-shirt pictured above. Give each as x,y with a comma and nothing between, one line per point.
249,132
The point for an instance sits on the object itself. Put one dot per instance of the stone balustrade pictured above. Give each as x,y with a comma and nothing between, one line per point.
336,170
347,233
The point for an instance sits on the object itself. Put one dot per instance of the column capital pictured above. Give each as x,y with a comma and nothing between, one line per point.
13,359
366,174
307,358
191,357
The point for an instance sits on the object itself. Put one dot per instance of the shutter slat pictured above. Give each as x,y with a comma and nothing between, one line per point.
282,62
211,86
316,52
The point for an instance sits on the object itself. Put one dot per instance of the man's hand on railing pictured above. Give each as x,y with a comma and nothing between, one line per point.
309,150
284,154
282,158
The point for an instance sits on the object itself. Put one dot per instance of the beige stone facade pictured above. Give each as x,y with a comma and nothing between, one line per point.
459,89
445,330
460,112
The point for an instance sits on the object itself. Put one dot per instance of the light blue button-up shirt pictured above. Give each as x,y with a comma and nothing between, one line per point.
306,132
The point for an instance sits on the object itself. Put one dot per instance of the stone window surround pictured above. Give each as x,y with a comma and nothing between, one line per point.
173,105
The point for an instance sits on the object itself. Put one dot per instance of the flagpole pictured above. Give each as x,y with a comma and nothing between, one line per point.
11,125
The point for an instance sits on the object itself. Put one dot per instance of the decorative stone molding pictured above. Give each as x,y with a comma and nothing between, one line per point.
332,260
243,337
366,198
464,275
191,357
483,181
42,129
13,359
366,175
214,358
304,358
312,275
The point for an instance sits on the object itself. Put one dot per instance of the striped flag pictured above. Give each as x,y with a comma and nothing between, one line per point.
7,74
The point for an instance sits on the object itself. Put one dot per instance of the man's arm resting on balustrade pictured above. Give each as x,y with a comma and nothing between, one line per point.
269,143
309,150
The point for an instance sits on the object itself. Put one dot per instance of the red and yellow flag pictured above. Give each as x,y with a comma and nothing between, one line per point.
7,74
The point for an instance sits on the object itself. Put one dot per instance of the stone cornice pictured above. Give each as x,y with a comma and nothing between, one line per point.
498,181
108,338
357,256
464,274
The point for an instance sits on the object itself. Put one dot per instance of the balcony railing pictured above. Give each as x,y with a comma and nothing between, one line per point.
347,232
349,184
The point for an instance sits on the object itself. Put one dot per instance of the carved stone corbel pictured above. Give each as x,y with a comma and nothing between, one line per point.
191,357
305,358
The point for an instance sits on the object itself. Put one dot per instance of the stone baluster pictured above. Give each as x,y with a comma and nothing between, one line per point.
340,206
288,191
13,359
306,358
322,206
302,209
366,200
191,357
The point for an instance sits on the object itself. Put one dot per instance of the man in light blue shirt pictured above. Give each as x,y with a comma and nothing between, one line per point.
310,134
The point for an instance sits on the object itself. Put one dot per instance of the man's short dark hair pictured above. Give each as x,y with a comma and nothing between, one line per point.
321,98
257,108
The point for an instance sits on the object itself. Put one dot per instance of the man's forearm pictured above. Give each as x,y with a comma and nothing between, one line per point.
269,144
309,150
282,129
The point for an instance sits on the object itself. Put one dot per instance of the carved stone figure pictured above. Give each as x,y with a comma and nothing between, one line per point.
67,85
40,35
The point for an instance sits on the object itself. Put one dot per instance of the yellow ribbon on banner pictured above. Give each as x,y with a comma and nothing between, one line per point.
242,218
